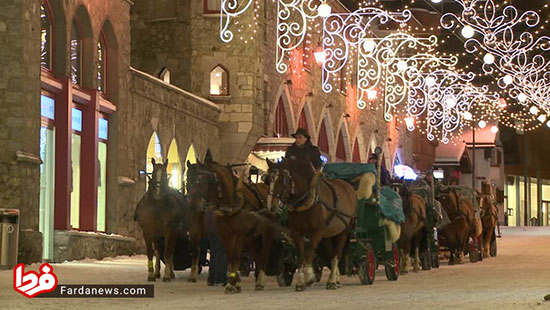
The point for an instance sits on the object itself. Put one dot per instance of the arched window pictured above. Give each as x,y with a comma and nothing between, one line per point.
212,6
356,158
192,159
164,75
341,148
219,81
154,150
45,36
280,126
174,166
101,64
76,53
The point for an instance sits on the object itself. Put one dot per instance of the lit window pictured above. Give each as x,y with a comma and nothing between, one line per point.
219,85
212,6
101,69
45,37
75,54
165,75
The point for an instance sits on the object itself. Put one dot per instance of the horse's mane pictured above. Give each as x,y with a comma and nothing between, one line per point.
300,167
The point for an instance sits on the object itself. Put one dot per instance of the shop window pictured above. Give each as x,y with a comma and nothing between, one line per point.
103,133
76,142
47,174
219,82
101,64
212,6
76,54
45,36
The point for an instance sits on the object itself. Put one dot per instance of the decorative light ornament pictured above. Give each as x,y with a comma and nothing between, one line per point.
229,10
324,9
436,1
482,124
450,101
489,58
508,80
494,129
534,110
430,81
320,55
542,118
522,97
401,65
369,45
502,103
372,94
467,116
548,124
468,32
409,121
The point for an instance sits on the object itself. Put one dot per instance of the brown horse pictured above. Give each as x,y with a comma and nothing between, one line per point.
412,230
196,193
161,213
489,218
317,208
236,208
456,235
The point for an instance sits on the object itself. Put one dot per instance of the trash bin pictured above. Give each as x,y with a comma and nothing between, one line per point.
9,237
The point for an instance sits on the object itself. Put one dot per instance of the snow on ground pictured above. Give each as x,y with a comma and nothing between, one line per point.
518,278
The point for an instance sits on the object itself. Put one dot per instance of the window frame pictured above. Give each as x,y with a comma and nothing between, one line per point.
227,78
207,10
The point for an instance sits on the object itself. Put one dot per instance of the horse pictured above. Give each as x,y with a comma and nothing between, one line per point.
456,234
196,193
237,219
161,213
489,219
323,210
412,230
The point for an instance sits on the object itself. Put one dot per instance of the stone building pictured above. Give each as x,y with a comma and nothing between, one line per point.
91,90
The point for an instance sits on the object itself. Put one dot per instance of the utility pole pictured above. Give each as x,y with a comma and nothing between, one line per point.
525,182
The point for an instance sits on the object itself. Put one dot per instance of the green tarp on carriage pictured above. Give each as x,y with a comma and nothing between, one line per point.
347,171
390,205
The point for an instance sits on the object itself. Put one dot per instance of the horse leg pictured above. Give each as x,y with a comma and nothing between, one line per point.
340,244
309,252
254,246
263,261
169,246
149,247
157,256
331,283
415,252
299,276
236,260
195,253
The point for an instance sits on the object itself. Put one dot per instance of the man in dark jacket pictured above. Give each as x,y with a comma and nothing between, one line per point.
385,178
303,149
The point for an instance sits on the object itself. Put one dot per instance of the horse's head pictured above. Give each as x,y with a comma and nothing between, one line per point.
158,182
449,201
228,191
288,181
201,183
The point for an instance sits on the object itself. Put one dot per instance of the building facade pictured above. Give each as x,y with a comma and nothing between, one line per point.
92,91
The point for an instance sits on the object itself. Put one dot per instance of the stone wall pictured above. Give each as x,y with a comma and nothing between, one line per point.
20,114
173,114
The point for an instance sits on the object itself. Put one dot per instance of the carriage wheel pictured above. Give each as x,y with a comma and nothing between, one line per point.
493,248
285,276
367,266
392,265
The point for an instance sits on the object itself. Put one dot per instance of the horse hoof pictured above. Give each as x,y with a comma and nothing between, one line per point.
166,279
331,286
338,285
300,288
259,287
173,276
157,275
451,263
192,280
238,287
310,282
230,289
416,270
151,278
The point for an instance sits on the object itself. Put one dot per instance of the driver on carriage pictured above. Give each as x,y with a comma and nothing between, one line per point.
303,149
385,178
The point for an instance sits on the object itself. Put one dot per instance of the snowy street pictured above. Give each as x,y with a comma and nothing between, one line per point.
518,278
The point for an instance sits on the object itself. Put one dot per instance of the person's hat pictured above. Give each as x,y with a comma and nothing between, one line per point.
301,131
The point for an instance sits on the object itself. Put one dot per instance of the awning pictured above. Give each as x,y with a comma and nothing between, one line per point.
485,137
272,148
449,154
